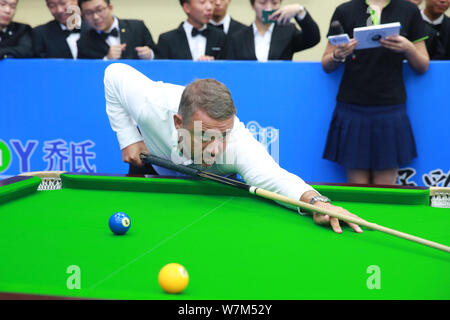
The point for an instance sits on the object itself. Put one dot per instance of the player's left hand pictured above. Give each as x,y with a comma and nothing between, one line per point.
144,53
325,220
397,43
286,13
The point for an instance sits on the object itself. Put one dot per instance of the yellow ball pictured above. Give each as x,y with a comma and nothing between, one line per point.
173,278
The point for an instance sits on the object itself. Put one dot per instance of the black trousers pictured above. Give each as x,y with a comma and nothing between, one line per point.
146,169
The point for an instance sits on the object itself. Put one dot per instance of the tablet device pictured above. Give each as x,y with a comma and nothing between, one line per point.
369,37
339,39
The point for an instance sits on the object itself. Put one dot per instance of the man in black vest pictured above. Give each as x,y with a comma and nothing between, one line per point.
194,39
15,38
58,38
222,20
111,38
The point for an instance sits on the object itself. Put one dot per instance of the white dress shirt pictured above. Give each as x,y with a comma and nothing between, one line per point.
72,41
197,44
132,98
262,43
111,40
225,22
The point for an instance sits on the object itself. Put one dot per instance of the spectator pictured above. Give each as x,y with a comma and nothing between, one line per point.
193,39
435,48
111,38
222,20
434,16
370,133
274,41
15,38
58,38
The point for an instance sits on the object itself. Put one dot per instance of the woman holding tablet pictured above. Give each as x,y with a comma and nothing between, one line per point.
370,133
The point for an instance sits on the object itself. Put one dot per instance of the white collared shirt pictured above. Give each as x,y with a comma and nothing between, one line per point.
113,41
132,98
225,21
197,44
72,41
435,22
262,42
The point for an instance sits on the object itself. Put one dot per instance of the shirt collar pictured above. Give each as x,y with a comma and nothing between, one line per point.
188,27
435,22
114,25
225,21
256,32
64,27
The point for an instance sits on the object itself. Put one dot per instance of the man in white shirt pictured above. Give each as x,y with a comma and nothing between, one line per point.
194,39
110,37
197,124
274,37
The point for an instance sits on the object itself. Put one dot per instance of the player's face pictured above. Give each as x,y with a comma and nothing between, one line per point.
267,5
438,7
207,137
7,12
61,10
416,2
199,11
221,7
98,14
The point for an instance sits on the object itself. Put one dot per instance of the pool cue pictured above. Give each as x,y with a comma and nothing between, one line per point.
277,197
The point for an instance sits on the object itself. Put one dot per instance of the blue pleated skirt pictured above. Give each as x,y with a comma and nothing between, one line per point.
370,137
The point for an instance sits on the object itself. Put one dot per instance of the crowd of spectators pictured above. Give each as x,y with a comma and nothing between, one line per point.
88,29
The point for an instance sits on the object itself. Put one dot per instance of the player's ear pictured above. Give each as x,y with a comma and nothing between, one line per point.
178,121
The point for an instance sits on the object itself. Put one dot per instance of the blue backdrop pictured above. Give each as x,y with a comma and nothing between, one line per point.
53,114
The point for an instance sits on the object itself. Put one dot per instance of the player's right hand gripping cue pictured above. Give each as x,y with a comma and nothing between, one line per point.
131,154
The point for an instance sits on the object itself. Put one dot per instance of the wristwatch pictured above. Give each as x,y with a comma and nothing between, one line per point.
319,198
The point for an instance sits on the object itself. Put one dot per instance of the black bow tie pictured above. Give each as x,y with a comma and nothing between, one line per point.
114,32
196,32
219,26
68,32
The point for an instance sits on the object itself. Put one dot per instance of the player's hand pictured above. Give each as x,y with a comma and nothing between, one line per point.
205,58
325,220
342,51
398,44
144,53
131,154
115,52
286,13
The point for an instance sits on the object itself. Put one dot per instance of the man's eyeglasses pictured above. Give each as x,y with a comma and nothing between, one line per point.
99,11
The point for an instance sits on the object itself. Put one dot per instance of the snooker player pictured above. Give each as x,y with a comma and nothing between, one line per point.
197,124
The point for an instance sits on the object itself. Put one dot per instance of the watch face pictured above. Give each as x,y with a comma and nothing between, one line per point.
319,198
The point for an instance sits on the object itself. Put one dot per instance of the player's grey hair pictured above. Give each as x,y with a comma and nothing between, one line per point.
209,95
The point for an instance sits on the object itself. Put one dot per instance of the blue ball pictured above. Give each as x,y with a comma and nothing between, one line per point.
119,223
